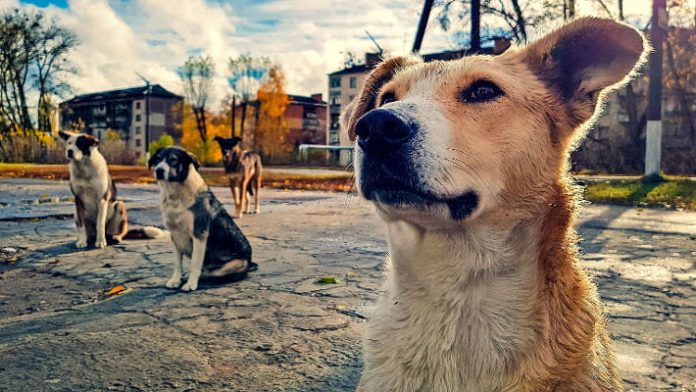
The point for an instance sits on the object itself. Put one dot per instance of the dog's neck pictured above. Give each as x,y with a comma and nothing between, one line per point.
183,192
492,287
89,166
435,262
233,159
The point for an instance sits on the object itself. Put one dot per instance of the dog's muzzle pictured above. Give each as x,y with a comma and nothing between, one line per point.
159,173
389,171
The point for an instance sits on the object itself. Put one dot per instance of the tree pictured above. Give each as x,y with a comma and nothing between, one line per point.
17,51
246,74
502,17
196,75
33,57
52,46
206,150
272,129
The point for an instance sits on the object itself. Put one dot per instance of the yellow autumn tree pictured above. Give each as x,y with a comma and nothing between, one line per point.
207,151
272,129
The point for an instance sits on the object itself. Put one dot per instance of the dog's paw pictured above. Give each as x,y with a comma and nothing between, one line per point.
257,210
100,244
189,286
173,283
81,243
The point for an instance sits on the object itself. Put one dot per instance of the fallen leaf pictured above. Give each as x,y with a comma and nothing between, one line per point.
116,290
327,280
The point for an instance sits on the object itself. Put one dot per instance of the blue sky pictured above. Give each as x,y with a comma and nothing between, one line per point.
308,38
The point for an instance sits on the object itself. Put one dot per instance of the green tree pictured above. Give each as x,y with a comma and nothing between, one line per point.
165,140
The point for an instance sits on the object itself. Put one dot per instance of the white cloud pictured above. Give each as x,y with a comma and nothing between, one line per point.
307,37
4,4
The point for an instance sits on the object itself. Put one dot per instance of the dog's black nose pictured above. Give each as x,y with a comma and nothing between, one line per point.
70,153
381,129
159,173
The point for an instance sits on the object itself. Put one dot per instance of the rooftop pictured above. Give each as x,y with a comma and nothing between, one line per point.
131,92
305,100
446,55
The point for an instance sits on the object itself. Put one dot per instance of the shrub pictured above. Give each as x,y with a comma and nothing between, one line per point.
30,147
116,151
165,140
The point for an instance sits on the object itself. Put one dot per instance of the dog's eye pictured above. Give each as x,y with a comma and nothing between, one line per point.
388,97
481,91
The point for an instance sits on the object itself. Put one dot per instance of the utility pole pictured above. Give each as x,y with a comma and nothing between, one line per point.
653,134
475,45
147,93
234,109
422,24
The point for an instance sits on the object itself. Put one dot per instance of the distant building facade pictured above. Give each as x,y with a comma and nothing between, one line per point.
306,117
125,111
345,85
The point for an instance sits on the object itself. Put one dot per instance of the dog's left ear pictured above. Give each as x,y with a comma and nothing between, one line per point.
194,160
155,158
367,99
64,135
586,57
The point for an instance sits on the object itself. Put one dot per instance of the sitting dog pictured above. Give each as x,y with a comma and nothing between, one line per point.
245,170
200,227
101,218
466,162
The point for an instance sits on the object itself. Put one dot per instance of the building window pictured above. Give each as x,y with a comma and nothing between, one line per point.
137,143
137,130
335,81
137,118
137,105
334,101
353,82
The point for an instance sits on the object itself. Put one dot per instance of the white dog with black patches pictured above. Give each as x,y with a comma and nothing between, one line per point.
100,217
200,227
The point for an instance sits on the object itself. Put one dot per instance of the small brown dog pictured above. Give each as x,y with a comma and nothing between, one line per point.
466,163
245,172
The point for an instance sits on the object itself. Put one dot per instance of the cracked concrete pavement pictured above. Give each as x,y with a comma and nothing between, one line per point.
280,330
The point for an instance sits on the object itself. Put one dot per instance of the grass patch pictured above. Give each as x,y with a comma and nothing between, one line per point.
670,193
336,182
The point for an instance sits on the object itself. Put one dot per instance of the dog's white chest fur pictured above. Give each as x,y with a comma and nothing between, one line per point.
89,181
179,221
176,201
454,316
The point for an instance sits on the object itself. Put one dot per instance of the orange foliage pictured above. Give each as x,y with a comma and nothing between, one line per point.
272,130
207,151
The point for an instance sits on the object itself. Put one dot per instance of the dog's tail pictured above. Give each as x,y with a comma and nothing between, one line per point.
144,233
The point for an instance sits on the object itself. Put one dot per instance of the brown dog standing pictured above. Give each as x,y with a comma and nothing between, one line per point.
245,172
466,163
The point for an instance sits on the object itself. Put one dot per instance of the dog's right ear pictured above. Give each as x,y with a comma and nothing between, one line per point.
367,99
582,60
194,160
155,158
64,135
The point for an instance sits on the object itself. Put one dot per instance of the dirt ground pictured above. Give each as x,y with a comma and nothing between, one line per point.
281,329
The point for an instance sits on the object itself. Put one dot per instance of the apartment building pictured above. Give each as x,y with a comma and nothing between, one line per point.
125,111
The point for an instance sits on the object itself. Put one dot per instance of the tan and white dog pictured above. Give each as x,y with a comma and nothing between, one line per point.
100,217
466,162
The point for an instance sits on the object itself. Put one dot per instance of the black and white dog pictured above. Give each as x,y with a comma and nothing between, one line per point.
100,217
200,227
